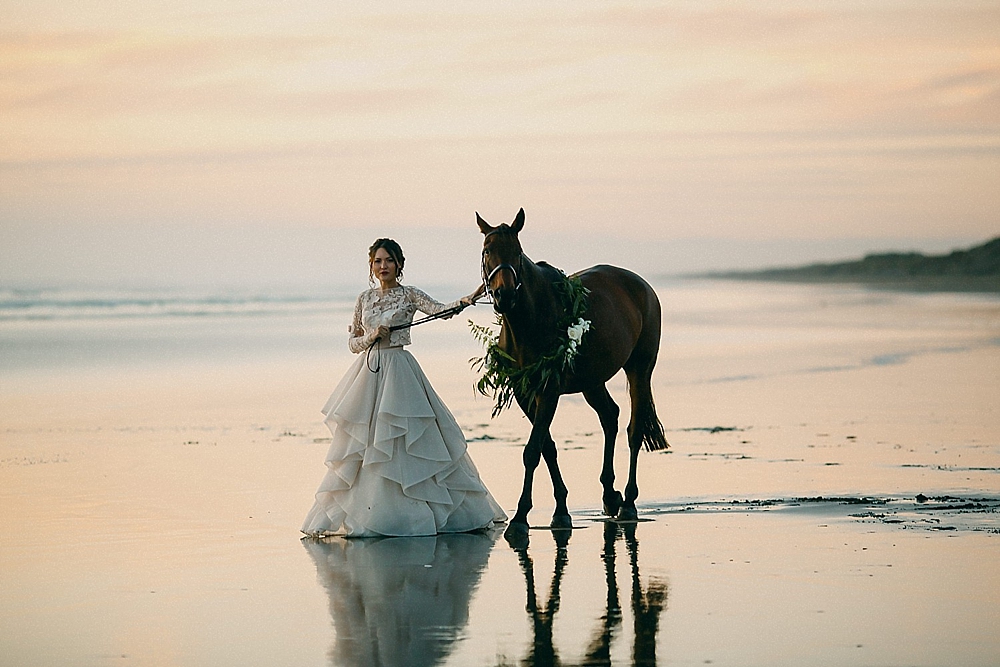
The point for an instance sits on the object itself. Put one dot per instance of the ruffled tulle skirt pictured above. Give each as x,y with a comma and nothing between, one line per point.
398,463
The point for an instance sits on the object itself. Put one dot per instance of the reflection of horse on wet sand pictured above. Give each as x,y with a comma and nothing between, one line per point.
646,604
624,315
406,600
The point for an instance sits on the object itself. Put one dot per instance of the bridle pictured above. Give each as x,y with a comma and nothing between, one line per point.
488,277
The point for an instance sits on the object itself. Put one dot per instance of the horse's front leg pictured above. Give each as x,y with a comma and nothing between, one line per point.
541,418
546,410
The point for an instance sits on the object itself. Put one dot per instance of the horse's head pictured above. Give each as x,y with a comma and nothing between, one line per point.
502,261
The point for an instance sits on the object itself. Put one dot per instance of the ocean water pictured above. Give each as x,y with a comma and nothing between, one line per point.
713,332
44,329
52,331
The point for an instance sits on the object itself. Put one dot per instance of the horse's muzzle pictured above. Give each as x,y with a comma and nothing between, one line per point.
504,299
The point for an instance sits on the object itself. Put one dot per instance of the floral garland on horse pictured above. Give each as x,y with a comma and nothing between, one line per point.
500,375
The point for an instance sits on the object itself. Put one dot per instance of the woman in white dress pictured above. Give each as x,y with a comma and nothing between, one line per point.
398,463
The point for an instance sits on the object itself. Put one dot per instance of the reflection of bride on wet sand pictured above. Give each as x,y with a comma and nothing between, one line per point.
399,600
405,600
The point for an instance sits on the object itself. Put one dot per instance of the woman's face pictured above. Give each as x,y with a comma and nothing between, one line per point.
384,268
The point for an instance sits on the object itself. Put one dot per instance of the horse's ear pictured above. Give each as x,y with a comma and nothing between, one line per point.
484,226
518,223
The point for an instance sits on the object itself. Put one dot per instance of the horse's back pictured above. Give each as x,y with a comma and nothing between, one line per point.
622,286
625,317
606,272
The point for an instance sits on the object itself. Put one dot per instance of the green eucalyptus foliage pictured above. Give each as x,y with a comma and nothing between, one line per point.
500,375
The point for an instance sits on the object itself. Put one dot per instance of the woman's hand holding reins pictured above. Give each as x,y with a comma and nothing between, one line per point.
472,298
467,301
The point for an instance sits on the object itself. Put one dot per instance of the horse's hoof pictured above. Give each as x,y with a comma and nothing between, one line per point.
613,504
516,534
628,514
560,521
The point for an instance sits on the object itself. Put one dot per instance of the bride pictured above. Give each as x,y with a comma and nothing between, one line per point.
398,463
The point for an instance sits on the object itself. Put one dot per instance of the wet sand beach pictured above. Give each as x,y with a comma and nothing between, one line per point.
831,496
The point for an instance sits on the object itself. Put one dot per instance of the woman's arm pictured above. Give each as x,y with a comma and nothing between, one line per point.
359,340
427,304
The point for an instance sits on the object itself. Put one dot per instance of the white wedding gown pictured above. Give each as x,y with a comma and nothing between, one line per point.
398,463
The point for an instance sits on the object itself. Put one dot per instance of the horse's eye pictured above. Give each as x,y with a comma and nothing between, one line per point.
486,253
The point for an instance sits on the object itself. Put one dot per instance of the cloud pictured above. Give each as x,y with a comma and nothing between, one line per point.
123,74
688,118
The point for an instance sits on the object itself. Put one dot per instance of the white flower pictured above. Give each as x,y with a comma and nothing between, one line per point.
574,335
576,331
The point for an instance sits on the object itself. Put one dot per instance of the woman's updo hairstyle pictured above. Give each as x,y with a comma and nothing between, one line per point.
394,251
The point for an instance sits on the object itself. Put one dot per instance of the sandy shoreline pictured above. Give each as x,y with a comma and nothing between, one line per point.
150,514
150,537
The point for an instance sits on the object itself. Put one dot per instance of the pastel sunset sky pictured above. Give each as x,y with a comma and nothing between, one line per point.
142,137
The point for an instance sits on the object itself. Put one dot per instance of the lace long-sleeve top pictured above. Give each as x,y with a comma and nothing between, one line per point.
391,308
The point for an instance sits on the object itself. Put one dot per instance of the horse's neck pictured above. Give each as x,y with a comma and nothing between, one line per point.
530,324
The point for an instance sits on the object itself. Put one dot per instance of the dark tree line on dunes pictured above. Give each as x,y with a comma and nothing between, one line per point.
975,269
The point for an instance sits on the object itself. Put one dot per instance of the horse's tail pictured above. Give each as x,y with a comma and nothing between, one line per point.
648,424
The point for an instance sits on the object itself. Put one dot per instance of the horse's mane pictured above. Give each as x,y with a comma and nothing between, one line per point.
550,271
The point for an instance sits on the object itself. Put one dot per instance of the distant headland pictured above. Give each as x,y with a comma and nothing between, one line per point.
974,270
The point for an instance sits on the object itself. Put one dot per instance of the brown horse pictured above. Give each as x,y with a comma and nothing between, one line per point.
625,334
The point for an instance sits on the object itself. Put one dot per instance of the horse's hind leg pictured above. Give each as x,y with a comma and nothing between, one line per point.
607,411
642,416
